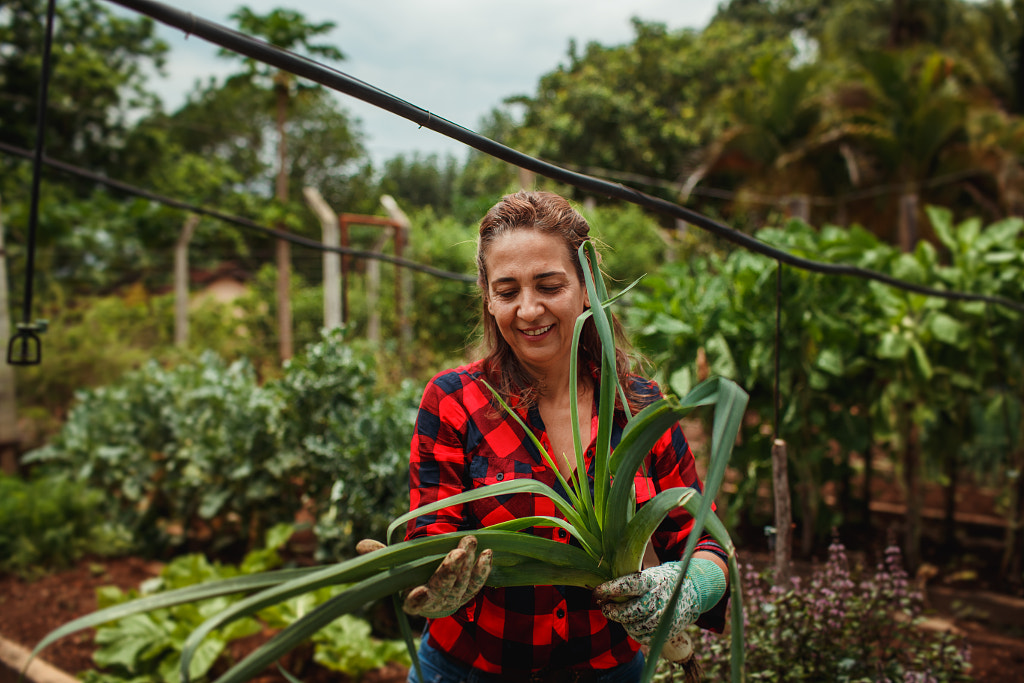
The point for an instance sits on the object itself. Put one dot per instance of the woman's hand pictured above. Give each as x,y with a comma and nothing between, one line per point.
638,600
456,581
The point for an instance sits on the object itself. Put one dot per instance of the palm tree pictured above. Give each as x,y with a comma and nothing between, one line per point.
908,113
771,148
289,30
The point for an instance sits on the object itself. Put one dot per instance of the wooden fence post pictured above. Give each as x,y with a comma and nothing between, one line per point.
373,290
783,514
332,260
527,179
181,280
9,437
283,258
403,280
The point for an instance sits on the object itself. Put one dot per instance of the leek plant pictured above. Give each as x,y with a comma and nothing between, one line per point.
611,532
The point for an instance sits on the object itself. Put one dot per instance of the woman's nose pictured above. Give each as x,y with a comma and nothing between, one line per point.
530,306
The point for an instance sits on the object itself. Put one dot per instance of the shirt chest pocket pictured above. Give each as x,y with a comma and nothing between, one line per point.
487,471
644,488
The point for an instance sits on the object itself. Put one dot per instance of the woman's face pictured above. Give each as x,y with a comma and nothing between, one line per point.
535,297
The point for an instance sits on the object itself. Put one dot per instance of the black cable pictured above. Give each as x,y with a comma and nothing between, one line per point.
343,83
31,351
236,220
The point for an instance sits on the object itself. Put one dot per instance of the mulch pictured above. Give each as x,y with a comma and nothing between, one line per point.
31,609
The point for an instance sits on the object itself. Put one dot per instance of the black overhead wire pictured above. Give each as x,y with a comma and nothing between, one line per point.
24,347
348,85
236,220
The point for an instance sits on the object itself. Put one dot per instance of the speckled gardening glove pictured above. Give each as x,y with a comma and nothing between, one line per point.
456,581
638,600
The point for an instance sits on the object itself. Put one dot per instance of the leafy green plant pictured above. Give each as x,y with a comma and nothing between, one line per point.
838,624
611,531
351,438
860,364
346,645
48,523
202,453
144,647
176,447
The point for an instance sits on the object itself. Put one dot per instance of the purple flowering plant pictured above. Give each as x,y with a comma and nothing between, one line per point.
836,625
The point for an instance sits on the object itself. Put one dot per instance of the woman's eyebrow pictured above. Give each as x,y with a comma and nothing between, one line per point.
538,276
552,273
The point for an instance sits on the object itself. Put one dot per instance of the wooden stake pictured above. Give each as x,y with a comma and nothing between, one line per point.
332,260
181,281
403,281
783,513
9,437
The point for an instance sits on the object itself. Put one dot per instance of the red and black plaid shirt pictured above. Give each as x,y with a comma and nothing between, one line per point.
461,442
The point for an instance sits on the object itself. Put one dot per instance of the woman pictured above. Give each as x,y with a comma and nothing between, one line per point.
533,290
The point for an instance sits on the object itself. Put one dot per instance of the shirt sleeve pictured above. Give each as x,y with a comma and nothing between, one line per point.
672,465
437,463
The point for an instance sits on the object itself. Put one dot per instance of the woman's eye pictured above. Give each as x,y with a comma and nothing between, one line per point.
506,295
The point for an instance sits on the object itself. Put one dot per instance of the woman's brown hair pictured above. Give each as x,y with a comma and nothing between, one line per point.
550,214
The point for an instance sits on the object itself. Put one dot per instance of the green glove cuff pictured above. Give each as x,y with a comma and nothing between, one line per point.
708,581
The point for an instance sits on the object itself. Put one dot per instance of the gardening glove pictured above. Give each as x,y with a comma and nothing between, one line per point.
456,581
638,601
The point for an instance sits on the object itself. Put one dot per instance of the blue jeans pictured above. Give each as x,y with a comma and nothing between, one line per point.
437,668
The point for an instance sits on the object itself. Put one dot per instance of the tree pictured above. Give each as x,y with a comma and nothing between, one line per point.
909,113
419,181
98,66
637,108
483,179
287,29
770,149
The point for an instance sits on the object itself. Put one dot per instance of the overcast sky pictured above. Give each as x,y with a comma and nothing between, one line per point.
456,58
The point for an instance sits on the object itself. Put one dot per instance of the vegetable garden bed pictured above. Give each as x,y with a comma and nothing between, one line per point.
29,610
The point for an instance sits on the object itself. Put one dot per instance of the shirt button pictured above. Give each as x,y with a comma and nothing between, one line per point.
501,475
560,613
561,533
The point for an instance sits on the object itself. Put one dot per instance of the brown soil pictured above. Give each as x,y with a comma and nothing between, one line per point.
957,591
29,610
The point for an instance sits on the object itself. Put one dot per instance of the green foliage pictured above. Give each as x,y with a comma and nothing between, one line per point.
610,529
858,361
202,450
444,312
99,64
145,647
419,181
174,446
346,645
838,624
88,343
50,522
635,247
643,107
352,440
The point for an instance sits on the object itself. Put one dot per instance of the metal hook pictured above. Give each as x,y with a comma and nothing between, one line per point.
31,348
